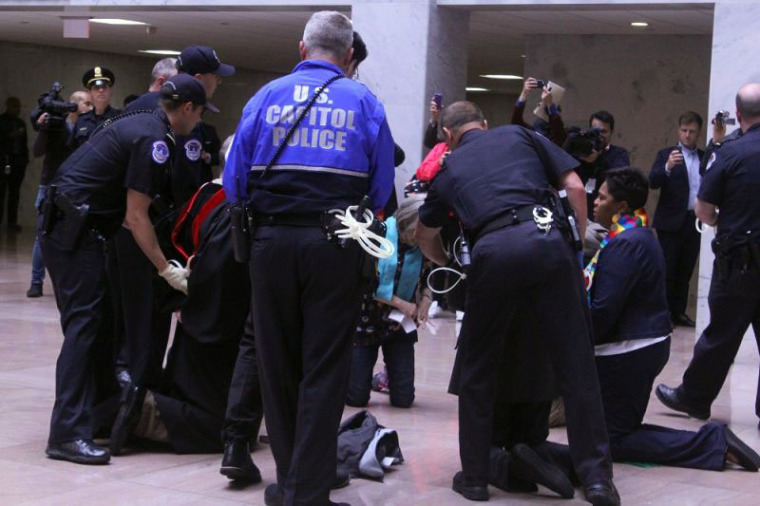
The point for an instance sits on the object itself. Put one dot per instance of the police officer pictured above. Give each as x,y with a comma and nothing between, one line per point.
110,180
202,63
148,101
100,81
498,183
727,199
307,289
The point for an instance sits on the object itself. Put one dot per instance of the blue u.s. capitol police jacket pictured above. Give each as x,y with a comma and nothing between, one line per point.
341,151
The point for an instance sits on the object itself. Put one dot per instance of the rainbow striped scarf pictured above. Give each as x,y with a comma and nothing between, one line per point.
620,223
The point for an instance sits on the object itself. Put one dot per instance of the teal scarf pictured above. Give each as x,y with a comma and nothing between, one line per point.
386,269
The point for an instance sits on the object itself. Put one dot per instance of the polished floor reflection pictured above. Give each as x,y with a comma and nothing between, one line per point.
30,337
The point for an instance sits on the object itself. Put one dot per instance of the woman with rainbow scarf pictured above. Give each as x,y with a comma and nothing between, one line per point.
626,291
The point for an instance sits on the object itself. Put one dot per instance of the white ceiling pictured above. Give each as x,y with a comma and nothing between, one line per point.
268,40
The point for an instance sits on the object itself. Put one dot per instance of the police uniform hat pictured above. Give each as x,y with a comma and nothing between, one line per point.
202,60
98,76
184,88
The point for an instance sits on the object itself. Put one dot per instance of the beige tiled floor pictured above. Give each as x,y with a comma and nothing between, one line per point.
30,336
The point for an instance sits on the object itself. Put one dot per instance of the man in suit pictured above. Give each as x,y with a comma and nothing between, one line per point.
676,173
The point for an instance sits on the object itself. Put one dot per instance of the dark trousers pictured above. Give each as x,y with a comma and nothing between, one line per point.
681,250
81,291
511,266
734,302
520,422
245,410
194,403
306,301
145,330
626,382
398,355
11,184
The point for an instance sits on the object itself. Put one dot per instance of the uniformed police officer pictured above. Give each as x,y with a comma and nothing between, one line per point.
145,328
100,81
498,183
307,289
727,199
110,180
202,63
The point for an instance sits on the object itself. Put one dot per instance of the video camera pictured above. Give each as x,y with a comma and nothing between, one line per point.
581,143
57,109
723,118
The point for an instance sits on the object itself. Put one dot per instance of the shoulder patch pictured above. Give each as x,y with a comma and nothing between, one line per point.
711,161
193,150
160,152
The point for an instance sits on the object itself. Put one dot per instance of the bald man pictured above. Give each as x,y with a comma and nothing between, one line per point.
727,199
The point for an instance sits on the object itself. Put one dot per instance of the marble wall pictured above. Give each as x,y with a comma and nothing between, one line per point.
31,69
411,55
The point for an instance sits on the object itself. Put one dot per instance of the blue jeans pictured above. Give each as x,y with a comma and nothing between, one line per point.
398,354
38,265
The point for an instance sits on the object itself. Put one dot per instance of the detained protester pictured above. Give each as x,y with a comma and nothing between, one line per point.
627,296
498,183
306,287
401,287
111,179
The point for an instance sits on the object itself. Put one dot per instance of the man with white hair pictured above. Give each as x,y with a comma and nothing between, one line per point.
307,288
162,70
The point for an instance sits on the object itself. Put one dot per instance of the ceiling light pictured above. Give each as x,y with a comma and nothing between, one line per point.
161,52
475,88
115,21
502,76
640,24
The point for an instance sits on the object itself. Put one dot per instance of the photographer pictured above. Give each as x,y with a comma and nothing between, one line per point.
555,129
52,142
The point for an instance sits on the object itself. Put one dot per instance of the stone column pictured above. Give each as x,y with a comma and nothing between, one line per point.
415,48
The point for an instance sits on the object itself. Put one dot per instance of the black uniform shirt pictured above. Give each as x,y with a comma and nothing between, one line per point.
88,122
146,102
492,172
132,153
732,182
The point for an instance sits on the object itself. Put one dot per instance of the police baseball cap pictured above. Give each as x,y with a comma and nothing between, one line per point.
202,60
185,88
98,76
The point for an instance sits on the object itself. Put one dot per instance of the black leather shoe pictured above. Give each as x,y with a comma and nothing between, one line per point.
670,397
603,493
499,474
273,495
80,451
683,320
745,456
471,491
34,291
528,466
127,417
237,463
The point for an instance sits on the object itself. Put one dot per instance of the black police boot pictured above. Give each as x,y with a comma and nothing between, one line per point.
672,398
602,493
528,466
499,475
79,451
237,463
127,418
34,291
469,490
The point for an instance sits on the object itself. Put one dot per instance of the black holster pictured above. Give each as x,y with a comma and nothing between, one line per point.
61,212
731,254
240,224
